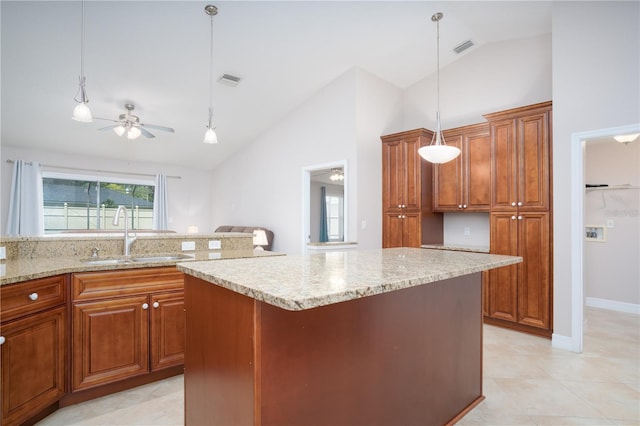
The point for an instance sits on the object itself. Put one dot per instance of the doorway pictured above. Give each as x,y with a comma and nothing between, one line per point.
578,146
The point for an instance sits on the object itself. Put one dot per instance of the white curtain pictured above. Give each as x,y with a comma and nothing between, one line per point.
26,210
160,204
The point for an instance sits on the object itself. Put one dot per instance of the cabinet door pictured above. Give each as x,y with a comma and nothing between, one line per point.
392,230
503,282
504,165
411,227
412,166
533,159
477,172
110,341
33,364
167,330
392,176
534,289
447,180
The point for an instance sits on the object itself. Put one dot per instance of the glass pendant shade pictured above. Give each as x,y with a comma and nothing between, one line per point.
119,130
439,154
133,133
210,136
627,138
82,113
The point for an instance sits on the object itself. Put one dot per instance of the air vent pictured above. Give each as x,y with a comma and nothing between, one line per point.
229,80
463,46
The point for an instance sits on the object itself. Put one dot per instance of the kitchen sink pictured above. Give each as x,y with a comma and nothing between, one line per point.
106,261
161,258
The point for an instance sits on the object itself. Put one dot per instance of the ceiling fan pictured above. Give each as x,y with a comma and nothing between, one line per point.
130,125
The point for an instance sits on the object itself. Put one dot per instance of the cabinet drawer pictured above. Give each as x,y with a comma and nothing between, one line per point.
30,297
98,285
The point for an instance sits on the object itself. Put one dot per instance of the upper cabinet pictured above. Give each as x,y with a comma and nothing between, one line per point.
465,183
520,161
408,220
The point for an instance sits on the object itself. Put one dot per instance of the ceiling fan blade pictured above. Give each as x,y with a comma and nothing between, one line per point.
146,133
153,126
113,126
105,119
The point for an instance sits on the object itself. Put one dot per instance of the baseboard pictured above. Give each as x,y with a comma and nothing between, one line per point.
562,342
612,305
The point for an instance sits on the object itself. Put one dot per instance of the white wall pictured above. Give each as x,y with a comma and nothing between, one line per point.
262,184
344,121
491,78
477,224
189,197
611,268
595,86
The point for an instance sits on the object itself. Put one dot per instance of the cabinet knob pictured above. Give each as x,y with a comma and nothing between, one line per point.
513,204
145,306
520,203
513,218
399,206
403,206
459,206
464,206
33,296
399,216
156,305
519,217
2,340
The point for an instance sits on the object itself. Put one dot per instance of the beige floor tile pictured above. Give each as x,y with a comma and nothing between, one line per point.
526,382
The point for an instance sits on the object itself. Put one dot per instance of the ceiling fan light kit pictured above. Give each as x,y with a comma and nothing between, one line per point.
438,151
131,125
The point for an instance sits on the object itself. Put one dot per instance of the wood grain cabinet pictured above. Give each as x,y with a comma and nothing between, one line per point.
33,347
521,218
125,324
464,185
407,216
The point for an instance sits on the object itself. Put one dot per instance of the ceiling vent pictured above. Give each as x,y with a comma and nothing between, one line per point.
463,46
229,80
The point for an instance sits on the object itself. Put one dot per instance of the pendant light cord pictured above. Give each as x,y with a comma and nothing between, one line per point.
82,44
211,75
438,70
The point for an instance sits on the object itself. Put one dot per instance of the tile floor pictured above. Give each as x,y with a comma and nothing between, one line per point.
526,382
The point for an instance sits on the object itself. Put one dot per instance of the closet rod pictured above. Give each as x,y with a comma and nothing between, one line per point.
94,170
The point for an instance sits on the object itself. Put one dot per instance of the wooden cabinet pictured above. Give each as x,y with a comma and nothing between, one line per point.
521,293
521,218
521,153
465,183
33,347
125,324
408,220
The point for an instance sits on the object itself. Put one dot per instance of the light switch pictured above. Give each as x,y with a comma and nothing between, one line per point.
3,253
188,245
467,230
215,244
364,224
610,223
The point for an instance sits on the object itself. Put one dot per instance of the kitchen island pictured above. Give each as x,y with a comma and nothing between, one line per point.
391,336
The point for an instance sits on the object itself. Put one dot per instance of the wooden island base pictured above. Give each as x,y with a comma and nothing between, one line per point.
412,356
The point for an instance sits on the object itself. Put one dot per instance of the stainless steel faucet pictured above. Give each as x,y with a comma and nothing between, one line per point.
127,240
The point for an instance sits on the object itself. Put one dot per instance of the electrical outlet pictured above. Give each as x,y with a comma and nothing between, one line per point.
215,245
467,231
3,253
610,223
188,245
216,255
364,224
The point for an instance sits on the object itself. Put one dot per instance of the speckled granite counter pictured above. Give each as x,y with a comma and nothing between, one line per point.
473,249
304,282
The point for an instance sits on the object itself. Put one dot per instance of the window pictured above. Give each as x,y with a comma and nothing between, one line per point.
73,203
335,218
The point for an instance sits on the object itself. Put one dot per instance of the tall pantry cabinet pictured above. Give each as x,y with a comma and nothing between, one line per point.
520,218
407,217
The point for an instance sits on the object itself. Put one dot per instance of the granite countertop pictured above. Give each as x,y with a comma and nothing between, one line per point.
14,271
305,282
455,247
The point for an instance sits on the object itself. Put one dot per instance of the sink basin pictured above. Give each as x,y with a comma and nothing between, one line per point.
106,261
161,258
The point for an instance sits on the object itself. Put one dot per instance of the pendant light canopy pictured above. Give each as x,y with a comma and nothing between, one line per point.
438,151
82,112
210,135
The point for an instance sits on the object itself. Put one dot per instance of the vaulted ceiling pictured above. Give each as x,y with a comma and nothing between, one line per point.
155,54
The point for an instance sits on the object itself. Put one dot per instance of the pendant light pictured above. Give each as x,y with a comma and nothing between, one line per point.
438,151
210,135
82,112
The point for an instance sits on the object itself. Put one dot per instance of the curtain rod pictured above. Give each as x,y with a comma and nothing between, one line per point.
94,170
